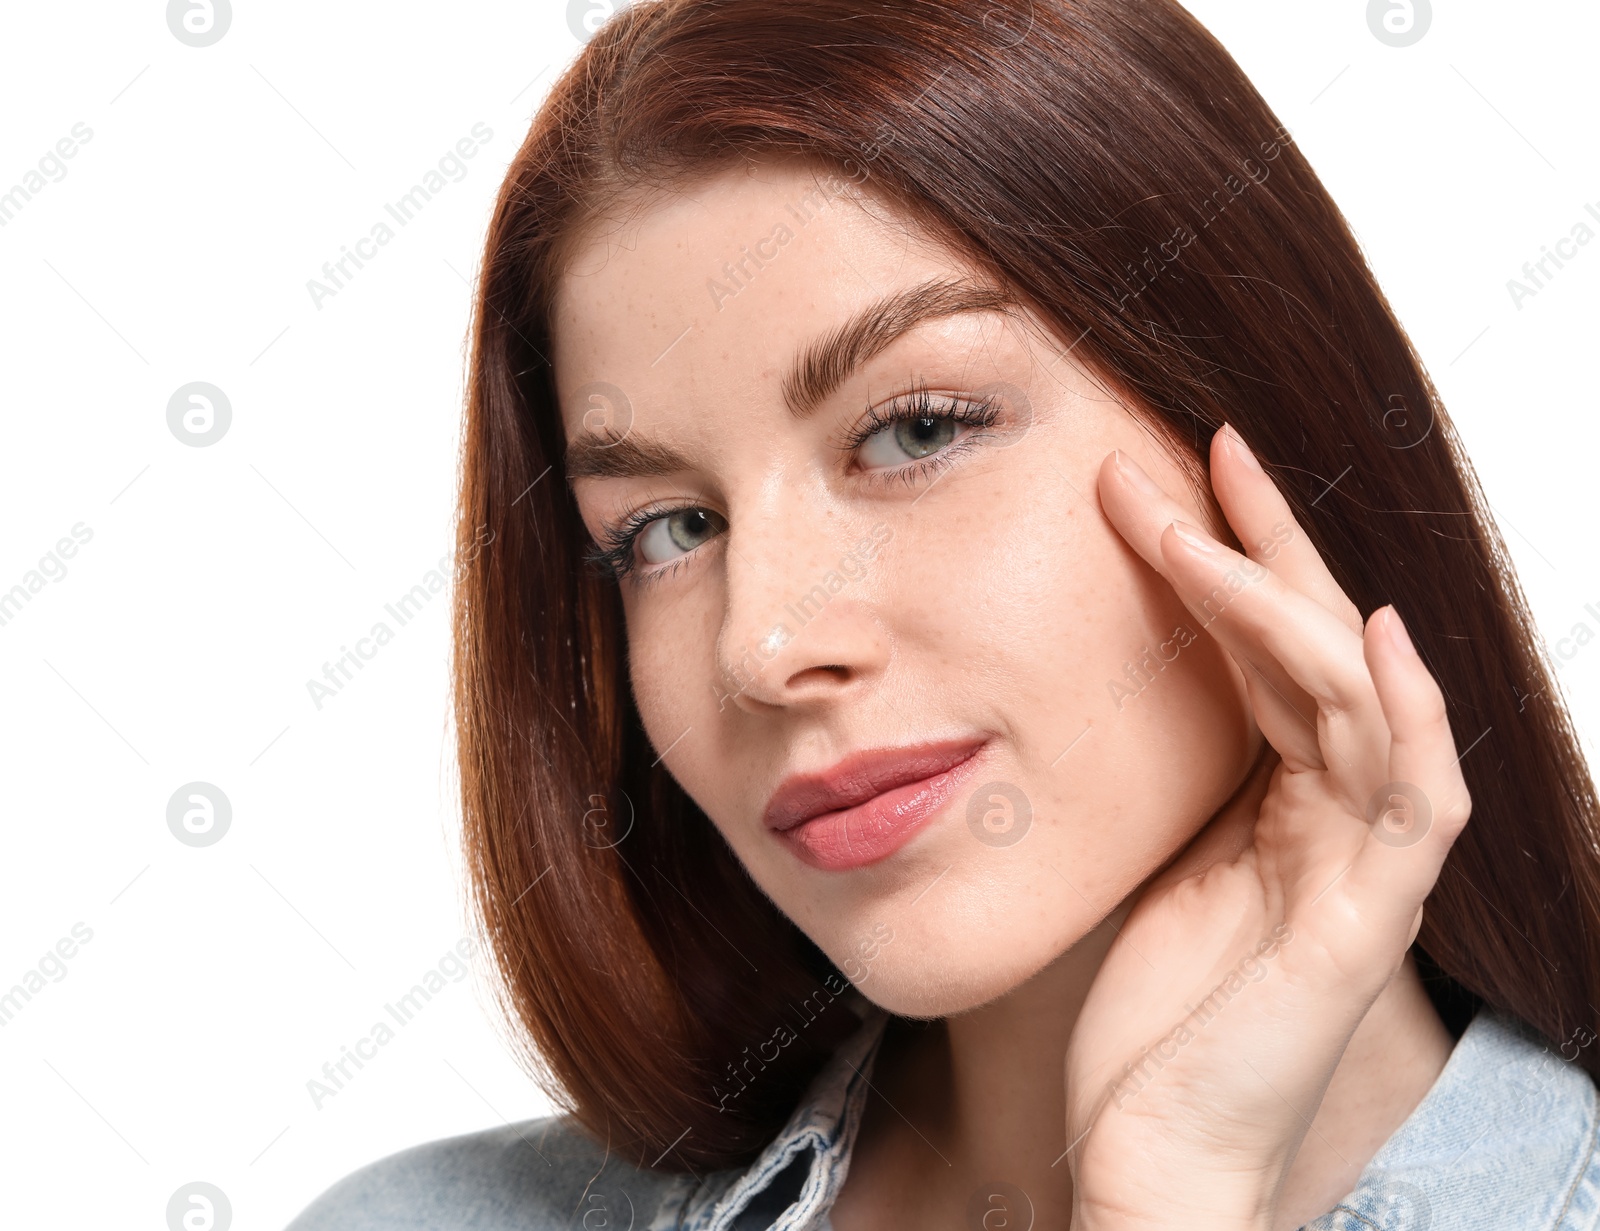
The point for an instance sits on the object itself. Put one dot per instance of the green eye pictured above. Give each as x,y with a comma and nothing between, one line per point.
918,426
678,533
913,438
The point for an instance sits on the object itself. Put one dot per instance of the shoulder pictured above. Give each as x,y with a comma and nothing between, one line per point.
1506,1137
533,1175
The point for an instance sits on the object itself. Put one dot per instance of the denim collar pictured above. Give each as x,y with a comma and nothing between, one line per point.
791,1186
1505,1137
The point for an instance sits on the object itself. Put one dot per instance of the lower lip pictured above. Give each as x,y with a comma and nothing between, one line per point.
876,828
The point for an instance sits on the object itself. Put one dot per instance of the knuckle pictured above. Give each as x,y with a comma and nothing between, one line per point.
1457,808
1430,708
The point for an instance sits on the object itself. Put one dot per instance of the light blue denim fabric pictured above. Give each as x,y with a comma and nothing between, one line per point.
1504,1141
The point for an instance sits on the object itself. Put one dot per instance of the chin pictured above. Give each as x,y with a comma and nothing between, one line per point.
930,986
937,975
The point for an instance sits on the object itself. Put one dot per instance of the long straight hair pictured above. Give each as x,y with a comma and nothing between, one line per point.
1109,161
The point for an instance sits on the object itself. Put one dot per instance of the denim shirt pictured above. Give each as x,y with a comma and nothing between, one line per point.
1504,1139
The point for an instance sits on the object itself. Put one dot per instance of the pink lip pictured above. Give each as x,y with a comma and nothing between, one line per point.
871,803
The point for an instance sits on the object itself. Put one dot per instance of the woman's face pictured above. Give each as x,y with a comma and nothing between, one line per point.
998,719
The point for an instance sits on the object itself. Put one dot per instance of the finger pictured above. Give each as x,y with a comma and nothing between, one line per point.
1417,815
1140,511
1287,717
1265,524
1422,747
1260,617
1138,506
1266,623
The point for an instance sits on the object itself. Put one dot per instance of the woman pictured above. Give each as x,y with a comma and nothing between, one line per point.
987,779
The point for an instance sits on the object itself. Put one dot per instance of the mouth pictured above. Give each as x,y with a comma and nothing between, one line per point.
870,804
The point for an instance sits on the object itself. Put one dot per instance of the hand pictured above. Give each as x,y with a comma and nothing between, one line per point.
1222,1008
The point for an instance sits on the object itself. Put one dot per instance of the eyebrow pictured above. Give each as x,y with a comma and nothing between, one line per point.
817,373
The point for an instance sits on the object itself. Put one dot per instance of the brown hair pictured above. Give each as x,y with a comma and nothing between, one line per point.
1109,161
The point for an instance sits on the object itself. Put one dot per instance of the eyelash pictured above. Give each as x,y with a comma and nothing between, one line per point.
920,404
614,556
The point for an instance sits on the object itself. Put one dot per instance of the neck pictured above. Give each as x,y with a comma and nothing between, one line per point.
1003,1065
972,1107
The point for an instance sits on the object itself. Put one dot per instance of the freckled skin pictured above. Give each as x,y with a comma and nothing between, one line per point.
1001,603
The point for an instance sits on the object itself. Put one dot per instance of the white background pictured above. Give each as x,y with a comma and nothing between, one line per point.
218,580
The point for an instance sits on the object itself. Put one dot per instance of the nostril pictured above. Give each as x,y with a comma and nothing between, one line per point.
832,670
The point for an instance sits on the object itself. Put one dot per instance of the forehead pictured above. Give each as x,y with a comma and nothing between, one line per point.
715,284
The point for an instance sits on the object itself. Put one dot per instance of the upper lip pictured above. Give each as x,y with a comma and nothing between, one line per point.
862,776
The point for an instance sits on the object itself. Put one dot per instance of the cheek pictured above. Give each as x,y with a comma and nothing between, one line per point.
1013,607
671,656
1022,598
1124,724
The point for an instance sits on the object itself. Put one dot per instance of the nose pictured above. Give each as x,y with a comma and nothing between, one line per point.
801,622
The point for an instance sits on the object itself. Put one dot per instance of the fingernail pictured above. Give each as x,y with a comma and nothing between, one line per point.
1135,474
1398,636
1240,449
1237,444
1194,538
